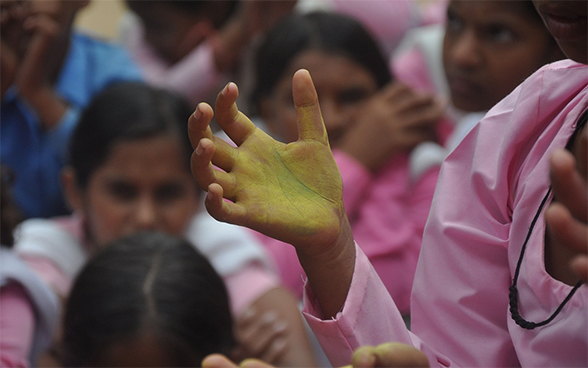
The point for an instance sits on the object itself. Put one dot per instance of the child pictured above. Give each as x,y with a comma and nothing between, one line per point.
28,309
129,171
386,206
191,46
49,73
485,50
146,300
485,237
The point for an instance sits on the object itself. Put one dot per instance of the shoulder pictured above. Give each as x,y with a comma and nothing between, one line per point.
50,239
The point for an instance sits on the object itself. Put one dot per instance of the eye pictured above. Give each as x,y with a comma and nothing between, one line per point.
122,191
499,34
453,23
353,95
170,192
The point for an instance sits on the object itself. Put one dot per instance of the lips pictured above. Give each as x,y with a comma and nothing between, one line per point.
462,86
564,24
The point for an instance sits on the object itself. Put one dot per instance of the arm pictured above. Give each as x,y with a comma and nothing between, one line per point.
18,326
280,190
272,330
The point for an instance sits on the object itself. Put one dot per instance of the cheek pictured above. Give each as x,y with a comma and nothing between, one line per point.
106,221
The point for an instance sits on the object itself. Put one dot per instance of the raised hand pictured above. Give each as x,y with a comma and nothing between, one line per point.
292,192
567,216
394,120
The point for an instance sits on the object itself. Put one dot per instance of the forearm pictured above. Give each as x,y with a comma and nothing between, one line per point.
49,107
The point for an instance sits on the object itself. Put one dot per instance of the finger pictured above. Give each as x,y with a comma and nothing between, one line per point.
565,229
581,153
222,210
237,126
217,361
568,185
308,112
391,354
199,124
275,351
579,266
254,363
201,164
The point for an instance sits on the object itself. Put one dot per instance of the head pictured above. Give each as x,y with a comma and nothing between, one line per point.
174,28
129,164
344,60
490,47
147,300
566,20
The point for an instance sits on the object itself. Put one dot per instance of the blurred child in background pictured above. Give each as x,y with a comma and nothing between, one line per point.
146,300
28,308
192,46
49,73
129,171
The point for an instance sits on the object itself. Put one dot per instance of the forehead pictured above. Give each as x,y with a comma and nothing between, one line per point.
144,157
329,68
483,12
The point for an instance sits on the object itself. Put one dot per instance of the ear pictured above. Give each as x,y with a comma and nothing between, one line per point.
71,190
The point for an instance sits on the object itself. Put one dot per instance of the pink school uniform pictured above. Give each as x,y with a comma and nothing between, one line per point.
57,251
490,190
194,77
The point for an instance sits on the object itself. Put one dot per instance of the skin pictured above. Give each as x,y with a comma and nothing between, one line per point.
489,48
143,185
368,123
263,178
35,40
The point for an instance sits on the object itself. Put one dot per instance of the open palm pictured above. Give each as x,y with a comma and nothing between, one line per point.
292,192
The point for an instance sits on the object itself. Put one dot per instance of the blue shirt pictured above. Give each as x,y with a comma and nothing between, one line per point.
36,155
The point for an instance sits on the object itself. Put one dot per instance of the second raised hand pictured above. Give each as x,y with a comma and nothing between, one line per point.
291,192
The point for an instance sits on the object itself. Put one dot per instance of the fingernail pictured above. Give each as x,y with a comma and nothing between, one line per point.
269,317
226,89
198,113
199,149
280,326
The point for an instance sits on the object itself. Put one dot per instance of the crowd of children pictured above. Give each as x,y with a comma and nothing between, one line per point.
413,179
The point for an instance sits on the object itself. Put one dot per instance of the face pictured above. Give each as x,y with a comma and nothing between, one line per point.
566,20
167,30
343,88
145,184
489,48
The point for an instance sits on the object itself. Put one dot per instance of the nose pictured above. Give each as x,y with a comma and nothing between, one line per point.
146,214
335,118
465,52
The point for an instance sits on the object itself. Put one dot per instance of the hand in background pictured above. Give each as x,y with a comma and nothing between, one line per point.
292,192
567,217
390,354
12,15
395,120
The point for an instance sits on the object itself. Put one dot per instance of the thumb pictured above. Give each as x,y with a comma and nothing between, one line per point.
308,112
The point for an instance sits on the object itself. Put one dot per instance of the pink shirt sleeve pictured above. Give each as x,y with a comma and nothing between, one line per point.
247,285
50,274
17,326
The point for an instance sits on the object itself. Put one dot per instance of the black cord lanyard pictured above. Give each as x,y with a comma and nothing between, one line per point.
514,293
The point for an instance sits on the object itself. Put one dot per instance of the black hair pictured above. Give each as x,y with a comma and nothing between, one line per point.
147,283
219,12
123,112
10,214
330,32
